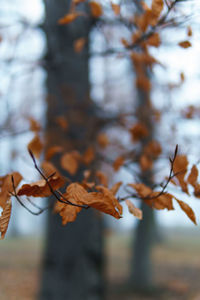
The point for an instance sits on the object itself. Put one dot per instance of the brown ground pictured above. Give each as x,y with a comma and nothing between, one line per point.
176,272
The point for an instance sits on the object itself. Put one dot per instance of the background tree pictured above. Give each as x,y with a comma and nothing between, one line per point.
73,255
90,193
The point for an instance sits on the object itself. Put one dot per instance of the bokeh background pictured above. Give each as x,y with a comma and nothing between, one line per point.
176,264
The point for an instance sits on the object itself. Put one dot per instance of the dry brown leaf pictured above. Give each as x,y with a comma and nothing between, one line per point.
40,188
105,201
163,201
142,190
102,140
49,169
75,193
5,218
143,21
115,8
53,151
110,194
138,132
153,40
180,167
192,178
79,44
188,210
96,9
153,149
69,213
197,190
70,162
7,186
156,9
125,43
146,162
88,156
58,206
69,18
185,44
134,210
34,125
119,161
36,146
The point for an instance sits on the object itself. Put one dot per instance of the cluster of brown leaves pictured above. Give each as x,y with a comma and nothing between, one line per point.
161,200
96,11
93,191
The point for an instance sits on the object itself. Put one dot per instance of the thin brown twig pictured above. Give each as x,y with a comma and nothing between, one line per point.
54,192
14,193
163,191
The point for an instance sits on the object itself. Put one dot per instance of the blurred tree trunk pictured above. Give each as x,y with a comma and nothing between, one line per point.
72,263
141,275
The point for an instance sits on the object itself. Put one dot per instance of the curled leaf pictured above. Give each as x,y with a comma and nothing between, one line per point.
134,210
163,201
7,186
180,169
104,200
5,218
36,146
188,210
41,188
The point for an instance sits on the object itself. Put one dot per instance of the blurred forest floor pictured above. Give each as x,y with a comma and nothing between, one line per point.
176,267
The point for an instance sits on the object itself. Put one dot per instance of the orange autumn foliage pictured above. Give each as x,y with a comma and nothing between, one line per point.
93,189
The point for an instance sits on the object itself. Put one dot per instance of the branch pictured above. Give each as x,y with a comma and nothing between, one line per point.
54,192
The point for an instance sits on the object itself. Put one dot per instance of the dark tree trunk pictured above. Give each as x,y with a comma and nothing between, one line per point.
72,266
141,275
141,266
